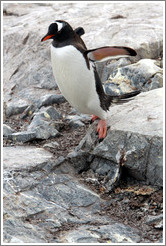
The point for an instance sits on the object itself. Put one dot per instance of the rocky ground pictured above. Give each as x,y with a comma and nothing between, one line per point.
60,184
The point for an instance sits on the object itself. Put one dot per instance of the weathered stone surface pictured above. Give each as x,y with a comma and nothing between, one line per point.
77,120
134,138
28,111
122,29
105,69
154,219
51,145
23,157
116,233
143,75
7,130
49,100
17,231
155,162
16,107
159,225
25,136
39,199
44,123
108,171
49,113
42,126
142,115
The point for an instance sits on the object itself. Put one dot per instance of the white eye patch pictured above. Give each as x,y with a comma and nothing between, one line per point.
60,25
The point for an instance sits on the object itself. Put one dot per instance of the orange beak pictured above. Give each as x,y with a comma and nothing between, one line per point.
46,37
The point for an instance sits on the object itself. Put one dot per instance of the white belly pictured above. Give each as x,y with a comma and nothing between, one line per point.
75,80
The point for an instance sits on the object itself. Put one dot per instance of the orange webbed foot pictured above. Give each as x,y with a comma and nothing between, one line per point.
102,129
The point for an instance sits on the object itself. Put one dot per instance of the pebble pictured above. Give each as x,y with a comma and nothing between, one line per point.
51,145
49,100
77,120
7,130
159,225
153,219
44,123
16,107
49,113
24,136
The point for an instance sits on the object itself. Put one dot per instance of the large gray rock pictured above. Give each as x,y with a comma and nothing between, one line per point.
43,200
142,115
134,139
24,157
105,69
145,75
43,123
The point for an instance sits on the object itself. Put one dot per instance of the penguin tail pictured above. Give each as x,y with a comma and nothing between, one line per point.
119,99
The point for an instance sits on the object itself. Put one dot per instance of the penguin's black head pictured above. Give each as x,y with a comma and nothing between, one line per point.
59,30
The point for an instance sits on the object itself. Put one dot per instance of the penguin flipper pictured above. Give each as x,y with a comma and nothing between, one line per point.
109,52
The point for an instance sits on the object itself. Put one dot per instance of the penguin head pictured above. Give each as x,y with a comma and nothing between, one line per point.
59,30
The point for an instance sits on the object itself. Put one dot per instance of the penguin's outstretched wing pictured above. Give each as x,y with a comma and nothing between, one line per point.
109,52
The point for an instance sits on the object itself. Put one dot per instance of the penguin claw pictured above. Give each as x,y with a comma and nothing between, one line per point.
101,139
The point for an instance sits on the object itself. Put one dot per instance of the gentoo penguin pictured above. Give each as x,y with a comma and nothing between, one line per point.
76,75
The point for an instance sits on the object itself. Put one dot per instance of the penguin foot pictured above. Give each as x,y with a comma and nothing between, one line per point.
94,117
102,129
